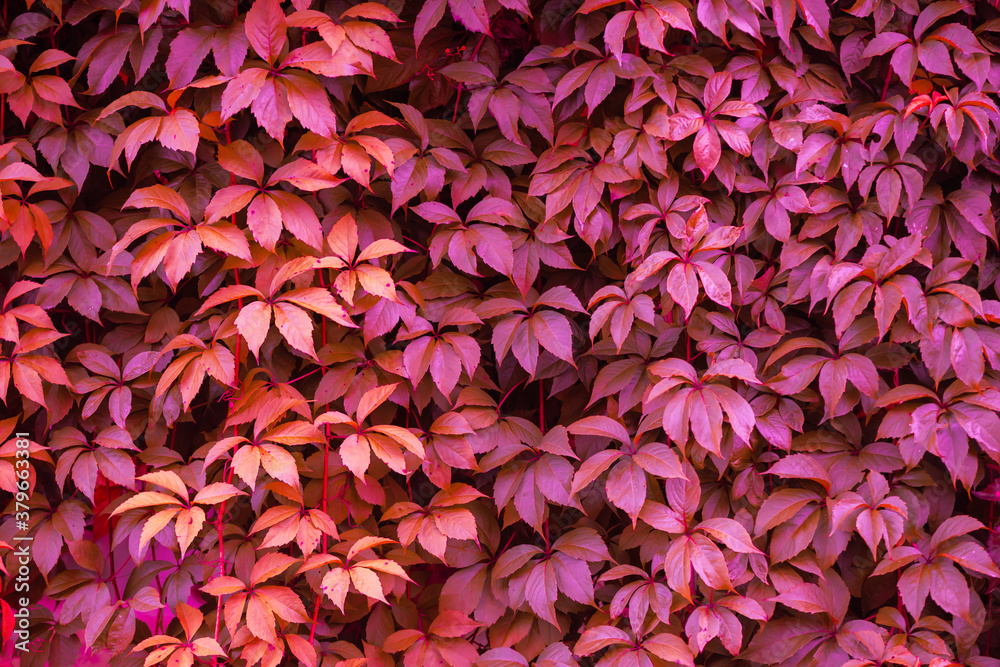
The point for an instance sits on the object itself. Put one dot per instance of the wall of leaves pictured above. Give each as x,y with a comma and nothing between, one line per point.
500,332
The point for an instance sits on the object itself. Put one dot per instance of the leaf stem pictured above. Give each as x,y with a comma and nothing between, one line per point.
111,545
500,404
305,375
159,588
475,51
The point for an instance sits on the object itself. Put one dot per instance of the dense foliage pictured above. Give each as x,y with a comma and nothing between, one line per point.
501,332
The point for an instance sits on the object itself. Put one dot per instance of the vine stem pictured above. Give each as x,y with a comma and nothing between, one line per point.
885,86
222,571
416,243
159,588
305,375
326,478
111,545
222,506
475,51
500,404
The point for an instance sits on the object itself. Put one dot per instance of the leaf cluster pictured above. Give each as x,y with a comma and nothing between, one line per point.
629,333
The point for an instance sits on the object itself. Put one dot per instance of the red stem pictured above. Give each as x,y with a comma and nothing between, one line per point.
500,404
475,51
159,588
305,375
111,546
885,86
419,245
322,283
326,477
222,506
326,484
